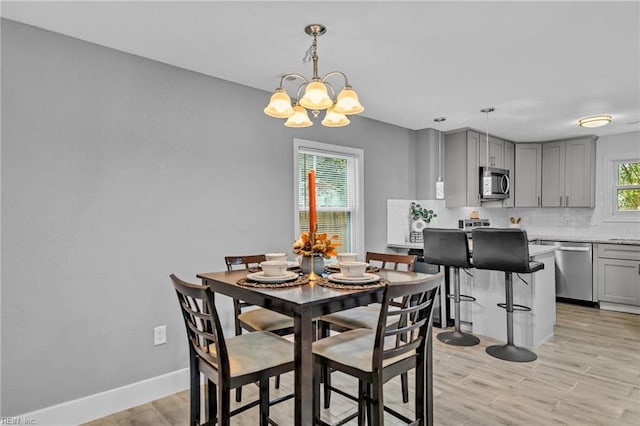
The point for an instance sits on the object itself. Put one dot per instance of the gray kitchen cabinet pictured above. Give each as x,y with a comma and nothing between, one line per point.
618,274
496,152
568,173
509,164
527,188
461,168
464,153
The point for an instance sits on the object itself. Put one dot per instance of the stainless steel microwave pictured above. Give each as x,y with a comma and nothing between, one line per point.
494,183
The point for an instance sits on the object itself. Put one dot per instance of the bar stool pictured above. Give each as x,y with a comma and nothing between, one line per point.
450,248
505,250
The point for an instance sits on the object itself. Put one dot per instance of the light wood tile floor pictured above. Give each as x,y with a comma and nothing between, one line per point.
587,374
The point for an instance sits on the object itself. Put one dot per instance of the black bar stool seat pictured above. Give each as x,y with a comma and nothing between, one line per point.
506,250
450,248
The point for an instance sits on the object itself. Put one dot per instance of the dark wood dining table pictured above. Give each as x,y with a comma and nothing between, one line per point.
309,301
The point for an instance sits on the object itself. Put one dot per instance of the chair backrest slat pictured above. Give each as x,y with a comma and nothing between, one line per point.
412,327
202,323
391,261
245,261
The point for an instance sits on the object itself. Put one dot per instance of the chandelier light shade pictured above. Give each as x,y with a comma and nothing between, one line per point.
299,118
319,94
316,96
595,121
335,119
348,102
279,106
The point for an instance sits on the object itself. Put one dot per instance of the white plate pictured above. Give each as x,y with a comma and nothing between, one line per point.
261,278
365,278
291,264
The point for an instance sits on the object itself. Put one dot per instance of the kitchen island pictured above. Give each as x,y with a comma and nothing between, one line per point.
537,291
484,318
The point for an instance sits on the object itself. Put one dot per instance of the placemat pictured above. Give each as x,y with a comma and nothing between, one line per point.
302,280
253,269
325,282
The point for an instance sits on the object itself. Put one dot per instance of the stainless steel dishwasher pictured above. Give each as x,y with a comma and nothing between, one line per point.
574,270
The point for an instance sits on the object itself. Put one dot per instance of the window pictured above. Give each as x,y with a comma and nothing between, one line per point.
338,191
623,189
627,186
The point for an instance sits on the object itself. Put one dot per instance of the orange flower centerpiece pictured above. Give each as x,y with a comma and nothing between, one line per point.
320,245
313,247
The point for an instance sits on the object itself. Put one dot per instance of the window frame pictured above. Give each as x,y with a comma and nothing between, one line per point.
611,192
357,154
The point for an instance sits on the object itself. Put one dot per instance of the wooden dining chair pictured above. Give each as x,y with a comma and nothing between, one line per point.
391,261
256,319
227,363
375,356
366,316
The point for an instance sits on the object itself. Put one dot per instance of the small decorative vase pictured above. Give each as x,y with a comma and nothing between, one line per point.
318,264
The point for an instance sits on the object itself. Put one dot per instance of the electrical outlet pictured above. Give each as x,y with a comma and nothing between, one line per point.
160,335
566,220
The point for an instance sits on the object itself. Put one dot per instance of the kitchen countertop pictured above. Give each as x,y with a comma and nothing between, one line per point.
534,249
585,239
537,250
599,240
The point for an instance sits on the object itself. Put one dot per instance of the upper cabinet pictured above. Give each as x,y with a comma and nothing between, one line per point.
568,173
528,191
461,169
495,155
509,164
548,174
465,151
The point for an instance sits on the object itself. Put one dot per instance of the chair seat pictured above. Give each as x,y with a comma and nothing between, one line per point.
273,349
535,266
264,319
360,317
354,348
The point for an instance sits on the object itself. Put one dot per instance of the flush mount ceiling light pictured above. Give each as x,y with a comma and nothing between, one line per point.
595,121
316,94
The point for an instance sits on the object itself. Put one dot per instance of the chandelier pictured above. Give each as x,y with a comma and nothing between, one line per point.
316,94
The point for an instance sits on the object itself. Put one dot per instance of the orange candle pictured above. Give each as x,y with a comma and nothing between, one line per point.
313,218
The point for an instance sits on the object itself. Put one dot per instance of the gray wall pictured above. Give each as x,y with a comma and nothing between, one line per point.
116,172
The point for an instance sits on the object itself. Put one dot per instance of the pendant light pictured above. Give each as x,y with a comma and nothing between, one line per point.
319,94
486,175
439,181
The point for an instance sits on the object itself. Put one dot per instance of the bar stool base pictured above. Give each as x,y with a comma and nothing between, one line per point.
458,338
511,353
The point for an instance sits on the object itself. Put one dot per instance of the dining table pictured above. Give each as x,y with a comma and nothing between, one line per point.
309,301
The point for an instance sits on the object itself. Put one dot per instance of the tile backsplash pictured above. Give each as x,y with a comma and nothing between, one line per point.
570,222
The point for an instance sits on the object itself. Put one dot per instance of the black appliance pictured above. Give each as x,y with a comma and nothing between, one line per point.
470,224
494,183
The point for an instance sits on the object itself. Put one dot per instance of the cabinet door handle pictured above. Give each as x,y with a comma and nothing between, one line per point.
566,201
539,203
638,268
561,200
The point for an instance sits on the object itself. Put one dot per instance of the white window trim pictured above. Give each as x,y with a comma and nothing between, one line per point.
610,201
358,154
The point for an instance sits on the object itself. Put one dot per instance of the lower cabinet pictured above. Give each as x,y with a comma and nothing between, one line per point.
618,274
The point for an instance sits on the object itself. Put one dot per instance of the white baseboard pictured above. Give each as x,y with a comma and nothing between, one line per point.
104,403
619,307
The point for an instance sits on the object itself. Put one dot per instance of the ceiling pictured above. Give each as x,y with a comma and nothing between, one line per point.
541,64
